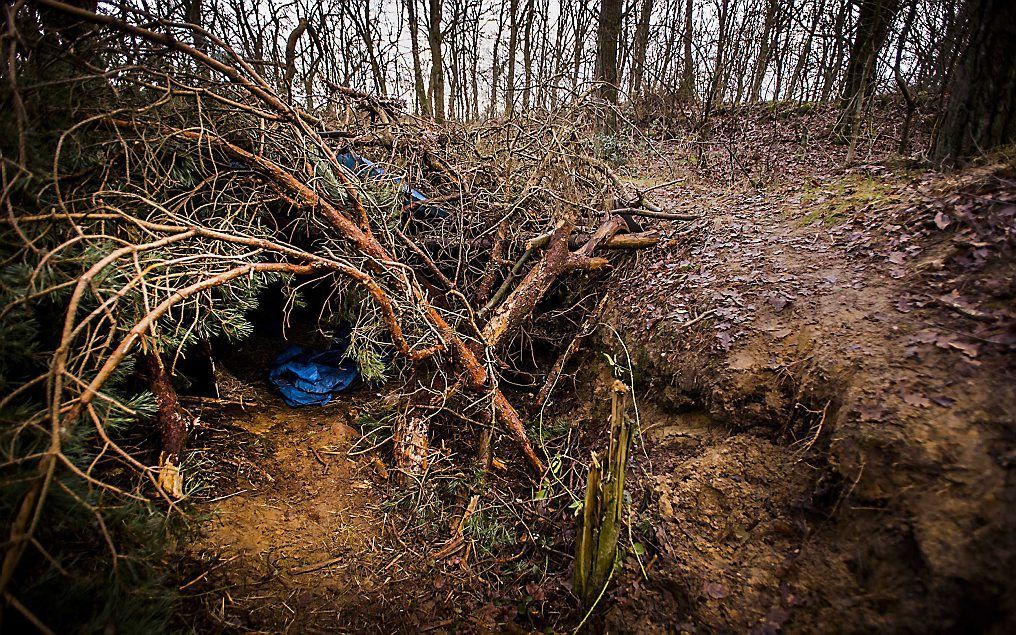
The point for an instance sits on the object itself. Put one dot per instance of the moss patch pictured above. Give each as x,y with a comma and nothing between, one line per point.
833,202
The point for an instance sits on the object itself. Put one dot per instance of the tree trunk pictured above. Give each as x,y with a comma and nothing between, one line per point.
832,65
687,90
527,57
513,45
495,66
422,101
716,84
901,81
367,33
291,42
435,37
638,67
873,22
765,47
171,421
607,32
798,79
981,114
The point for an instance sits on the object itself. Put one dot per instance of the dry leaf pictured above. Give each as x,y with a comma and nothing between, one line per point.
715,590
916,400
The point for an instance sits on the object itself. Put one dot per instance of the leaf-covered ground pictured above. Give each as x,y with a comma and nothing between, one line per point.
827,385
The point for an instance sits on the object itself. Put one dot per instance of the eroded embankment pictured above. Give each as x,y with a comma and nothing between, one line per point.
819,450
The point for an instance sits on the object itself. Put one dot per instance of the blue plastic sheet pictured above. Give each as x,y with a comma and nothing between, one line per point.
365,168
306,377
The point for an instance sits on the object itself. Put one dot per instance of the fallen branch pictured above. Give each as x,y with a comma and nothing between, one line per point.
648,213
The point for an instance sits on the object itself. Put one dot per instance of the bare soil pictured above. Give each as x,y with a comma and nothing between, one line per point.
292,532
295,541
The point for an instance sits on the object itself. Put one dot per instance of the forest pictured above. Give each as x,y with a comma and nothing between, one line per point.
471,316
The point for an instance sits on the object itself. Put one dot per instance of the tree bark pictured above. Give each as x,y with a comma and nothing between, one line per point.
981,114
495,66
687,90
765,47
638,67
291,42
435,38
527,57
513,45
873,22
901,81
171,421
557,261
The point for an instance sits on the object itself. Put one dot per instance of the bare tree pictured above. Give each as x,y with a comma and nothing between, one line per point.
422,99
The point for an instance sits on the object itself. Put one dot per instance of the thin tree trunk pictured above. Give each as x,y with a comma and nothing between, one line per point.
687,90
495,69
608,29
437,80
422,100
638,67
901,81
798,79
834,64
873,22
513,45
171,421
763,54
527,56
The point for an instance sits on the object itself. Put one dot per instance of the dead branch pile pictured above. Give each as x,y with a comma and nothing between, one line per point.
179,183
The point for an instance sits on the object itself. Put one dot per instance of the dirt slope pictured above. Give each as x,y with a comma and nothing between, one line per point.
827,379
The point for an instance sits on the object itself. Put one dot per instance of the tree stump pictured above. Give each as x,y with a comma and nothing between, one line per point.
596,548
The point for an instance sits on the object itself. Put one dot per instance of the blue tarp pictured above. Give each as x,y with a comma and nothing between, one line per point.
307,377
365,168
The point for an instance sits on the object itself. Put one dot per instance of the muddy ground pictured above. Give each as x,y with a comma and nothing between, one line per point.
824,379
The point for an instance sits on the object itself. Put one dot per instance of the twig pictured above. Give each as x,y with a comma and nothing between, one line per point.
28,615
215,401
317,565
202,576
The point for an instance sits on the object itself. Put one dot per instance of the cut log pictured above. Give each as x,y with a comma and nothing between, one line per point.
620,241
